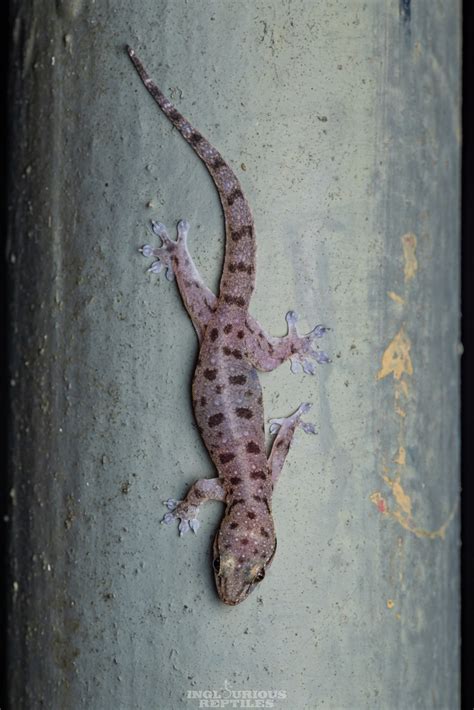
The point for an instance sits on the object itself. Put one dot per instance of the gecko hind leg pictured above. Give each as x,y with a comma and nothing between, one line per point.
186,511
284,429
168,249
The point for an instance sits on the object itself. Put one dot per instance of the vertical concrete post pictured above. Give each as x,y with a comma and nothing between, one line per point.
342,120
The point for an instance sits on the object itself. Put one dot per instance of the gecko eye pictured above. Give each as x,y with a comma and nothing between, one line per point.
260,575
216,564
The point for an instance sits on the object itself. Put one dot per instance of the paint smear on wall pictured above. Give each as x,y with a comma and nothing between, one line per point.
395,501
409,255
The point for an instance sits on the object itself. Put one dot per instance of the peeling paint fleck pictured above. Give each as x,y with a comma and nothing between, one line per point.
401,456
409,255
396,358
395,297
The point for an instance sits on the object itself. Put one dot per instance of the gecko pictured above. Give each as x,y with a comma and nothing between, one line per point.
226,392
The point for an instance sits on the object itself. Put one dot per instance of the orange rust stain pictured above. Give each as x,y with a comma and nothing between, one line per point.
409,256
396,359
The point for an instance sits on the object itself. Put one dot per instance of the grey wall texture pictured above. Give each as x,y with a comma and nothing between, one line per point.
342,122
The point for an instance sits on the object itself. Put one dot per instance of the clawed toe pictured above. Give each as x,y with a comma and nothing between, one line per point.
164,253
186,518
294,420
301,360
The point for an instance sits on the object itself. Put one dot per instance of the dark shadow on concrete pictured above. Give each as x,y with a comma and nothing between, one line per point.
467,403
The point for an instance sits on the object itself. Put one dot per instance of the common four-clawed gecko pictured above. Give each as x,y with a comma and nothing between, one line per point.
226,392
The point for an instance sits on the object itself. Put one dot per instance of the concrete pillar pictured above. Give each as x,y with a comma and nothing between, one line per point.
342,122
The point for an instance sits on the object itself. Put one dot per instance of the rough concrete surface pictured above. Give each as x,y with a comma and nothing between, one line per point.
341,120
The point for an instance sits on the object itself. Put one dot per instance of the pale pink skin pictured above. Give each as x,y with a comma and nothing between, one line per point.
227,396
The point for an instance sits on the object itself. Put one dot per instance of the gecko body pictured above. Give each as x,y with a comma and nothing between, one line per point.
226,392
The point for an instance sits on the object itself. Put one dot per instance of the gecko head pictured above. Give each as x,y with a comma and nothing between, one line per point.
243,549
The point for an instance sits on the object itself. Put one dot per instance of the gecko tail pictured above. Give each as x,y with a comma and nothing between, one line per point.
239,264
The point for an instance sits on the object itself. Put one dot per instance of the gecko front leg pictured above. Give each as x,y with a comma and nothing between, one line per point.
187,510
267,352
174,257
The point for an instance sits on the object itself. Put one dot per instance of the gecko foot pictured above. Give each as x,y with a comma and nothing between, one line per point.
168,249
185,513
303,347
277,426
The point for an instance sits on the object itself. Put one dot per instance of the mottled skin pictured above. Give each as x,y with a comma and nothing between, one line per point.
227,396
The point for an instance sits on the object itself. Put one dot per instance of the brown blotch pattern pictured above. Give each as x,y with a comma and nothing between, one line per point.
203,401
218,163
264,532
251,515
235,480
215,419
195,138
258,475
244,413
174,115
253,448
210,374
226,457
228,328
240,334
237,234
234,195
237,379
214,334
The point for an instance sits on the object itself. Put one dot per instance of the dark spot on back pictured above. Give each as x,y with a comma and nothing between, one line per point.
234,525
242,266
264,532
218,163
214,334
203,401
237,379
235,480
257,498
237,354
226,350
226,457
244,413
234,195
240,301
232,268
228,328
215,419
251,515
240,334
245,541
210,374
195,138
253,448
237,234
258,475
219,389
